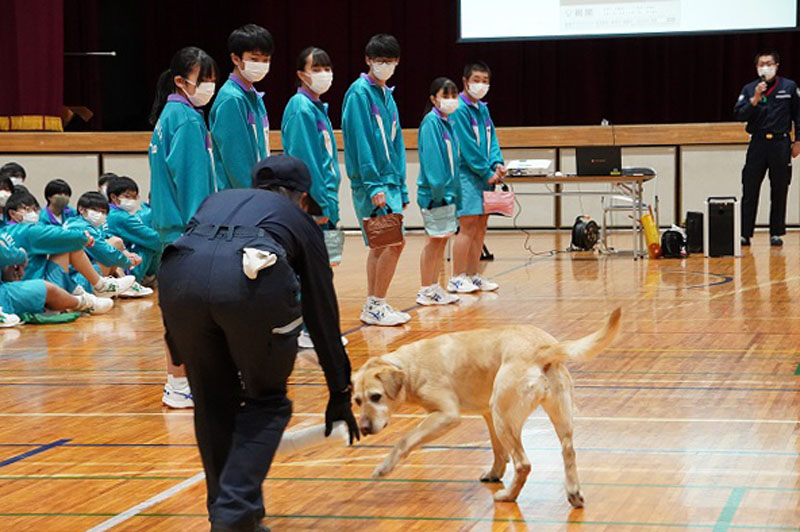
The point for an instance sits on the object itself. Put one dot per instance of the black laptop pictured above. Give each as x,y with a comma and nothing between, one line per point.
599,160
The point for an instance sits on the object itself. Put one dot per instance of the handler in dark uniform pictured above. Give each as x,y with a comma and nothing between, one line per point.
238,336
770,105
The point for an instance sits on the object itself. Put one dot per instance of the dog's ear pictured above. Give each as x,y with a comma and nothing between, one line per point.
392,379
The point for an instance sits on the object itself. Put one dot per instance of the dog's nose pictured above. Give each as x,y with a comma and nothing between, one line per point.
366,429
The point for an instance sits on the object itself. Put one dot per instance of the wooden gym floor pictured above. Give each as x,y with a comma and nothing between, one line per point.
690,420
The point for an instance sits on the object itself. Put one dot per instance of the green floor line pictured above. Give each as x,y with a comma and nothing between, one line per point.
729,510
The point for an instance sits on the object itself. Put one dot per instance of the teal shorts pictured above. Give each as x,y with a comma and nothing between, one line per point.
363,204
471,195
20,297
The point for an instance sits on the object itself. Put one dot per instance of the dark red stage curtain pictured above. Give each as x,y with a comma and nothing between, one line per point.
31,64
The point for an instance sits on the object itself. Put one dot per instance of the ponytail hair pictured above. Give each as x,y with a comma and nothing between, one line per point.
183,62
437,85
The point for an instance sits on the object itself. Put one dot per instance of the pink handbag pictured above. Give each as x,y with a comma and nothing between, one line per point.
499,201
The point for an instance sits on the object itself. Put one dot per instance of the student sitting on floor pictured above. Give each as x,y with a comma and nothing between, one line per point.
108,253
6,190
56,212
123,195
52,249
35,296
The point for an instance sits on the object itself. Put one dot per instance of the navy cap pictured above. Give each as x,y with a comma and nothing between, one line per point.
285,171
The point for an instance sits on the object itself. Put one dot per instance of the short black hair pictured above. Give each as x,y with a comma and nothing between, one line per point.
56,186
382,45
6,184
775,55
476,66
12,169
21,188
120,185
93,200
103,179
20,199
250,38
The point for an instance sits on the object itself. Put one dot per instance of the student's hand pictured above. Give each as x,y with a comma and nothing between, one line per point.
494,179
133,257
379,200
405,206
500,169
321,220
89,239
795,149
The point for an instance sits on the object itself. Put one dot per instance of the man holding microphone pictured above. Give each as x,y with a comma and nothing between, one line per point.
770,105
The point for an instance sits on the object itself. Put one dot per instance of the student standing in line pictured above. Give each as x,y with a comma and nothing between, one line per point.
480,168
375,157
307,133
238,118
437,187
181,166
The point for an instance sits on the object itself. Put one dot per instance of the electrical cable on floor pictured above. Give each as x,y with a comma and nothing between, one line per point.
528,234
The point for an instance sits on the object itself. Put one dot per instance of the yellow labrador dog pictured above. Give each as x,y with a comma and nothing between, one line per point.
501,373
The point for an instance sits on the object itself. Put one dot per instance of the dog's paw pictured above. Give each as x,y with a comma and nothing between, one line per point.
504,496
382,470
490,476
576,499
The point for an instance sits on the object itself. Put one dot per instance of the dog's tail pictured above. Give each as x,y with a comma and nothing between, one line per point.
590,346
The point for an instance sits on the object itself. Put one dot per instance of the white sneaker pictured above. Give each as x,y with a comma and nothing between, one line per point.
461,284
91,304
483,284
382,315
404,315
435,295
136,290
304,341
175,398
114,286
8,320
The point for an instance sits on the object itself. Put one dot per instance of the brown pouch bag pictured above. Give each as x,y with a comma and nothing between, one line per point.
384,230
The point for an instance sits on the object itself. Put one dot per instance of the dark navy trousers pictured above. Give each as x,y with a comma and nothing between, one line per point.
238,340
774,155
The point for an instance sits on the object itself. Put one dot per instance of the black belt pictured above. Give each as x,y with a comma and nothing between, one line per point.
229,231
770,136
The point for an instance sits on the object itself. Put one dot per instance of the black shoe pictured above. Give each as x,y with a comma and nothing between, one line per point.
486,254
775,241
745,241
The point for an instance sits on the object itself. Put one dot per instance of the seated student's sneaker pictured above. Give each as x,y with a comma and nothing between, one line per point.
149,281
113,286
435,295
375,313
745,241
177,393
484,284
775,241
8,320
304,341
91,304
461,284
137,290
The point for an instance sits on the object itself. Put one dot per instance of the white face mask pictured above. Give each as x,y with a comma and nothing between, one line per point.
16,181
129,205
320,81
4,195
478,90
202,93
96,218
767,72
383,71
447,106
30,217
254,71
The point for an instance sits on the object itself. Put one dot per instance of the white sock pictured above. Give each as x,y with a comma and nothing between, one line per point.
100,284
177,383
378,300
83,302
